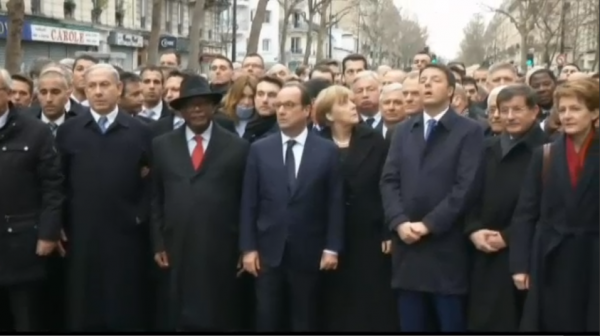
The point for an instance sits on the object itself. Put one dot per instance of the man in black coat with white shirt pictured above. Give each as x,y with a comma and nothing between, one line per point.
31,201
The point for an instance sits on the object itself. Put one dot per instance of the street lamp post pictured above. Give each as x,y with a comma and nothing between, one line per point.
563,15
330,30
233,30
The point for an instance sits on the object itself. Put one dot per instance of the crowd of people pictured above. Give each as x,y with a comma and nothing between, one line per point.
328,198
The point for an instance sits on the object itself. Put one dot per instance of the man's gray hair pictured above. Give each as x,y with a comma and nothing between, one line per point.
6,78
103,66
502,66
494,94
460,90
390,88
68,62
37,66
412,75
367,74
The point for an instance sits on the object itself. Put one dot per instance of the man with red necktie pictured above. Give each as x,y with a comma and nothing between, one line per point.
197,181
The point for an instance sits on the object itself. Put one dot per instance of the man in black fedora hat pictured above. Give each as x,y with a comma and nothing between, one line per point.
197,176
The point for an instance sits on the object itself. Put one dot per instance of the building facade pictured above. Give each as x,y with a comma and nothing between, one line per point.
268,42
546,41
116,31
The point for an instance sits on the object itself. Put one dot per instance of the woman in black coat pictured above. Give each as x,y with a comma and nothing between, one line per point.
358,295
554,232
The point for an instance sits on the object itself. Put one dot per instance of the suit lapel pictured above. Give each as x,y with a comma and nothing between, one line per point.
417,133
558,164
181,153
305,164
590,170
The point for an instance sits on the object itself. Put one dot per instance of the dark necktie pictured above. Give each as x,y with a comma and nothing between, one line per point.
53,127
370,122
290,164
429,126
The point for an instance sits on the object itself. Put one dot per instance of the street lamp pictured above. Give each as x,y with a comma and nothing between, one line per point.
330,30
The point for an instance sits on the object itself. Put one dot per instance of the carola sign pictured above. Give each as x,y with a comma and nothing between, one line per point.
64,35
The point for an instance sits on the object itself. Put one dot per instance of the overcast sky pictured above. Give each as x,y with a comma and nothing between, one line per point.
445,20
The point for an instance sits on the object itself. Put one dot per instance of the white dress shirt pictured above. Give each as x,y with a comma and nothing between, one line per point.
154,112
376,119
59,121
240,128
177,121
298,151
427,117
384,130
110,117
67,106
3,119
84,102
190,136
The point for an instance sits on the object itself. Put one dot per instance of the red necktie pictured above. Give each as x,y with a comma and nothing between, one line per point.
198,153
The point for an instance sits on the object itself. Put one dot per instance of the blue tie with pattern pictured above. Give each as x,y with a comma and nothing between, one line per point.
429,126
103,123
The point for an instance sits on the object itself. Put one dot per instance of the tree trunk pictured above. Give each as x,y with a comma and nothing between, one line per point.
322,32
16,19
524,50
256,27
155,32
309,36
287,13
197,20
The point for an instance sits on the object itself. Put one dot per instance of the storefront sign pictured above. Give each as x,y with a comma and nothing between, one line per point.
167,42
64,35
126,40
4,28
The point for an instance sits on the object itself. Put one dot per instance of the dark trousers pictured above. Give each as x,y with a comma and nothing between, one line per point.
53,295
23,304
286,297
415,312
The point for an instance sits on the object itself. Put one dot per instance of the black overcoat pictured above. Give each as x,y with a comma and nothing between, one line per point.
358,295
494,303
107,211
554,239
195,219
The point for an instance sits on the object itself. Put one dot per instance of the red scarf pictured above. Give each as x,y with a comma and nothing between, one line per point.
575,161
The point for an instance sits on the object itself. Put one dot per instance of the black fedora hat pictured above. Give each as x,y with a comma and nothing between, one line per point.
194,86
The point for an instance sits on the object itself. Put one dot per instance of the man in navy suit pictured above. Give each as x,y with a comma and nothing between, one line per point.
426,186
291,216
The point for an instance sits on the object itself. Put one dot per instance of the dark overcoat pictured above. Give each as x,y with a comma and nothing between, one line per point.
494,302
358,295
195,218
107,211
554,239
431,182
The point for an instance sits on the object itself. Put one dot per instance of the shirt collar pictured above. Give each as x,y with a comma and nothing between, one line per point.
191,136
437,118
3,119
111,116
376,117
156,109
300,139
67,105
59,121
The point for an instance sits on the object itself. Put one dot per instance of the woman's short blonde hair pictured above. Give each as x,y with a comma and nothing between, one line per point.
584,89
236,92
335,94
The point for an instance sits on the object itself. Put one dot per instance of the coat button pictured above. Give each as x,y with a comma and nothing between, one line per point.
25,148
9,230
4,149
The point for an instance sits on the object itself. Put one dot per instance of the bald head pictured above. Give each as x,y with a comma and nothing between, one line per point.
383,69
393,76
280,71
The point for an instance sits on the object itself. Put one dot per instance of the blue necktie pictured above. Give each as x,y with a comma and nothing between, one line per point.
103,123
429,126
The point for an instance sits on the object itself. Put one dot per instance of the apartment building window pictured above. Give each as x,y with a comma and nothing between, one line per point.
210,34
297,19
251,15
266,44
268,16
36,7
295,44
181,16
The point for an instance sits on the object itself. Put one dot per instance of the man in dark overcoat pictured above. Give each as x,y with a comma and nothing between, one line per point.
197,173
105,156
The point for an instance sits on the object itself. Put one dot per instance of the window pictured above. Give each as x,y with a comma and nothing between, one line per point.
251,15
143,12
297,19
210,34
266,44
168,16
295,44
268,16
